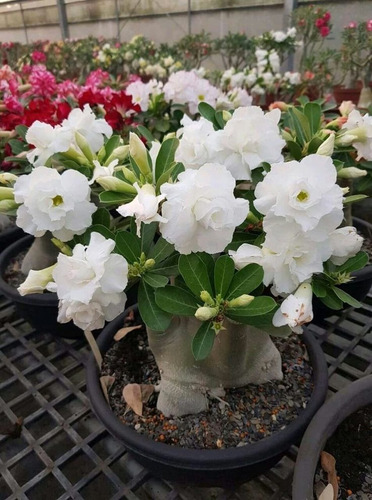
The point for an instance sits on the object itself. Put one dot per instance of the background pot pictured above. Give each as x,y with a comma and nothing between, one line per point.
40,309
347,401
346,94
206,467
9,235
358,287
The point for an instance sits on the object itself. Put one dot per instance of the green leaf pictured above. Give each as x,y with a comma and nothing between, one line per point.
301,125
145,132
223,274
295,150
207,111
219,120
313,113
259,306
17,146
165,156
21,131
314,145
195,273
354,263
111,144
161,250
208,261
154,317
147,236
102,216
128,245
202,343
331,300
176,301
155,280
178,168
354,198
112,198
245,281
345,297
168,267
319,289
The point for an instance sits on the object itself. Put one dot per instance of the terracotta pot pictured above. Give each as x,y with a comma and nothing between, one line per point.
344,94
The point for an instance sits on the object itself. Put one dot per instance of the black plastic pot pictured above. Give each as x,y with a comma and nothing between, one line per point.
345,402
40,309
206,467
9,236
358,287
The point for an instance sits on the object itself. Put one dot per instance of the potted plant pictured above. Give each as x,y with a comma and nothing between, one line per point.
357,64
341,409
225,255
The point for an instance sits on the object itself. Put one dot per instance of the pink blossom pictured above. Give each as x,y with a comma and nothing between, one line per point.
26,69
38,57
68,88
369,25
320,22
96,78
6,73
352,25
327,17
324,31
43,82
12,104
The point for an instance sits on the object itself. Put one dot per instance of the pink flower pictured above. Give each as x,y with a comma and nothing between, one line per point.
26,69
97,78
68,88
320,22
327,17
12,104
352,25
324,31
369,25
38,57
43,82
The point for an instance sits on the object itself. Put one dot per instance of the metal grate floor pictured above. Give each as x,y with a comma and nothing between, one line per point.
63,452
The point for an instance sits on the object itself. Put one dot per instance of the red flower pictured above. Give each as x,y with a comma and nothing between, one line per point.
38,57
62,111
324,31
319,23
327,17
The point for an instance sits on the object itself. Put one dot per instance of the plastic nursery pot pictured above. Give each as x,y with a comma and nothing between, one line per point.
345,402
9,235
359,286
40,309
224,467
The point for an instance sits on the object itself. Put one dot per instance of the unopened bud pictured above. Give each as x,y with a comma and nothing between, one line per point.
129,175
6,193
7,178
243,300
226,115
120,153
149,263
206,298
351,173
138,152
84,146
111,183
8,207
327,147
206,313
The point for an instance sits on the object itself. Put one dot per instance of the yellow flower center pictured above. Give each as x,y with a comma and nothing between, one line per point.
201,97
303,196
57,200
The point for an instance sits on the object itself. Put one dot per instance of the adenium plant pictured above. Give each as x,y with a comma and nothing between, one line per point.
227,228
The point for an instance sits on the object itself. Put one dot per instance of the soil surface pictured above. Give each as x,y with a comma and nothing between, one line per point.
244,416
351,446
13,274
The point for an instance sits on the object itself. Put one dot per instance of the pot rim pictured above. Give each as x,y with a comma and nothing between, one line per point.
44,299
345,402
205,459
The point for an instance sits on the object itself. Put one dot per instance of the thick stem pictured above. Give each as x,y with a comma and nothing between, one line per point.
41,254
241,355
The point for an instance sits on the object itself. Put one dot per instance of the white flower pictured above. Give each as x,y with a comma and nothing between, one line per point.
239,98
261,54
237,79
202,92
102,171
303,192
168,61
90,284
360,127
85,122
249,138
141,92
346,243
279,36
274,61
346,107
292,32
268,78
47,141
153,152
201,209
144,206
53,202
293,77
192,150
36,281
296,309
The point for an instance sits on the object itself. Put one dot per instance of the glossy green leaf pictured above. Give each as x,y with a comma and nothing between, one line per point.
165,156
259,306
195,273
313,113
168,267
202,343
128,245
152,315
102,216
345,297
354,263
245,281
332,301
112,198
176,300
148,232
223,274
161,250
155,280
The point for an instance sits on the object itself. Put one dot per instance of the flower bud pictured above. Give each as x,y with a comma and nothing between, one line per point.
84,146
7,178
351,173
8,207
149,264
111,183
120,153
6,193
129,175
279,105
36,281
345,139
226,115
327,147
243,300
206,313
346,107
138,152
206,298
